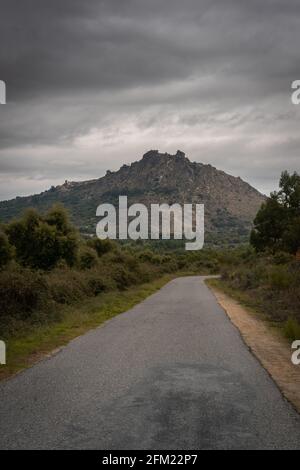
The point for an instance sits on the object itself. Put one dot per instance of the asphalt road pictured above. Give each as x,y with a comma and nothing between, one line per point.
171,373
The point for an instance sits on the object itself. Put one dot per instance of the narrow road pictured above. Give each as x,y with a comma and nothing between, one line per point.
171,373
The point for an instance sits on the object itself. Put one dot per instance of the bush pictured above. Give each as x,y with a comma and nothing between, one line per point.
41,242
280,278
87,258
71,285
282,257
101,246
146,256
98,284
211,265
6,250
245,277
291,329
22,292
67,286
123,277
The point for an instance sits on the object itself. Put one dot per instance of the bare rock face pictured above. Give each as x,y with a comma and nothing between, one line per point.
230,203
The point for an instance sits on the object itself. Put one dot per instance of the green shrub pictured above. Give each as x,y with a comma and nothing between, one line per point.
22,292
122,257
245,277
291,329
6,250
98,284
67,286
88,258
280,278
123,277
282,257
101,246
146,256
209,265
42,241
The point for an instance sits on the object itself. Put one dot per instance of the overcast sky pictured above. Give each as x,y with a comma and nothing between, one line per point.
94,84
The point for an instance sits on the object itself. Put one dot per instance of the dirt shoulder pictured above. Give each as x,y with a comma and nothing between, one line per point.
267,344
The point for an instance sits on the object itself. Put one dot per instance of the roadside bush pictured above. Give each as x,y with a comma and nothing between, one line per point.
291,329
67,286
121,257
269,282
22,292
245,278
98,284
280,278
282,257
210,265
123,277
41,241
147,256
87,258
6,250
101,246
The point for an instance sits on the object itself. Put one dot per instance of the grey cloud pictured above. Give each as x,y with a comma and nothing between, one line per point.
97,82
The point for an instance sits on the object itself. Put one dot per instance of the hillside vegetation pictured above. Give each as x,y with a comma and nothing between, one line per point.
230,203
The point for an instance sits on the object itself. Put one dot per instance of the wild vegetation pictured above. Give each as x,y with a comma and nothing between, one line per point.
45,265
277,224
266,275
55,284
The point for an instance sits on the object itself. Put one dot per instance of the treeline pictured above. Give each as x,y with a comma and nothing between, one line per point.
45,264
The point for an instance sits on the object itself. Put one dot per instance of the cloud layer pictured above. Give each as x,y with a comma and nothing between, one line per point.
92,85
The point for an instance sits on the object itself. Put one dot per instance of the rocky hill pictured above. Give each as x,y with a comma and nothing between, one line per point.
230,203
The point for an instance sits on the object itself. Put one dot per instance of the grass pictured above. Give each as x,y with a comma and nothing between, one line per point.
238,295
25,349
290,328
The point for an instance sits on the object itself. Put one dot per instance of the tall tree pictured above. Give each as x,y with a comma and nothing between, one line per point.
277,223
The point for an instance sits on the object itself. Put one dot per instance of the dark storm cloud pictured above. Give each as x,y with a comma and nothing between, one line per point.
119,76
63,45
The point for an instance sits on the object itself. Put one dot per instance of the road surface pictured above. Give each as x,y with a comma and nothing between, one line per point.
171,373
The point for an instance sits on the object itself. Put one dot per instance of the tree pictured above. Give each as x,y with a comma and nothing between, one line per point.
291,236
269,225
42,241
277,223
289,193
